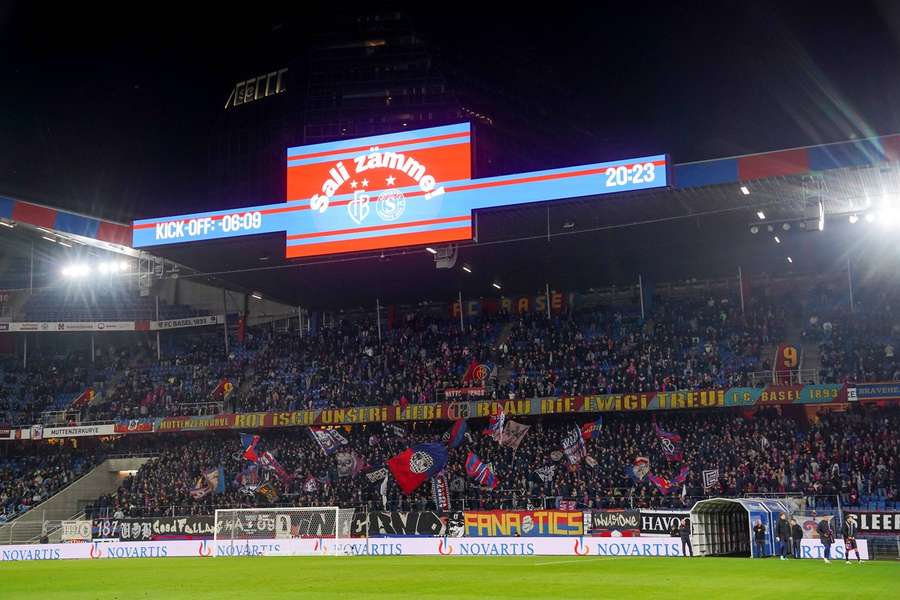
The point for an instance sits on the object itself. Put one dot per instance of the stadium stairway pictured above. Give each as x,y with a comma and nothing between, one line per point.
71,500
504,373
248,380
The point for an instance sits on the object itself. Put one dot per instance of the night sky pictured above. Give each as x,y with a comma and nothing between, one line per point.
110,112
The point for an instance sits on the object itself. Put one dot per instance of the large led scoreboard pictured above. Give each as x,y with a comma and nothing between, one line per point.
400,189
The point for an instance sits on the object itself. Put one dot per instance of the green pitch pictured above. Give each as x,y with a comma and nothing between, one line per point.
447,577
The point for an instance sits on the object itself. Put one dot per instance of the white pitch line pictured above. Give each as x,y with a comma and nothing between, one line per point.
574,560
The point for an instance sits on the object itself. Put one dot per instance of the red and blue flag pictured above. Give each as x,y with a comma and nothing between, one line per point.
495,426
457,434
591,430
412,467
671,444
664,485
248,443
480,472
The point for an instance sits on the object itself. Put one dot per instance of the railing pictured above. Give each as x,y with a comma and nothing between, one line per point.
203,408
783,377
61,417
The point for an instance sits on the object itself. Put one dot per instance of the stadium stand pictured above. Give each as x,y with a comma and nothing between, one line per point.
690,341
100,305
28,480
850,455
702,341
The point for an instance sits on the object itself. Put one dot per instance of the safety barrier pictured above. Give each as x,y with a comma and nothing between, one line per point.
387,546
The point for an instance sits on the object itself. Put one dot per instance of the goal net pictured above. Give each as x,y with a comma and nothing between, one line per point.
282,523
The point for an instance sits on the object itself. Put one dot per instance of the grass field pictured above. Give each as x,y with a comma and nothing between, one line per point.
447,577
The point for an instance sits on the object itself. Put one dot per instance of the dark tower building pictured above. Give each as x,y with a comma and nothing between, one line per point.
369,75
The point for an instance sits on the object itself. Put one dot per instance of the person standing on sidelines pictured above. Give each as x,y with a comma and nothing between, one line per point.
685,532
783,531
826,536
848,532
759,538
796,538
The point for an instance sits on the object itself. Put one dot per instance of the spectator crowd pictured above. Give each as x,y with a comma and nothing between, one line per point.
853,455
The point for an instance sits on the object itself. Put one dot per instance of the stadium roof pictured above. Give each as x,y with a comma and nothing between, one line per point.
699,228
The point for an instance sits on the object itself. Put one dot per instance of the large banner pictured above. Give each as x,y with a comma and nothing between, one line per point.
78,431
444,411
387,523
451,411
160,528
58,326
615,523
135,426
523,522
253,525
190,322
884,522
660,522
99,326
76,531
877,391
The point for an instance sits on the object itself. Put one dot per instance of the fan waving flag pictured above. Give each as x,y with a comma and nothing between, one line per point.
267,461
671,444
248,443
440,491
710,479
495,426
412,467
573,446
329,440
639,469
664,485
457,434
591,430
513,434
480,472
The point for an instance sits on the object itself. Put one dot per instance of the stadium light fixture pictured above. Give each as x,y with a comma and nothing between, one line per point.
123,265
431,250
870,218
745,190
777,240
888,217
754,229
854,219
49,239
467,268
5,224
76,270
256,295
790,260
761,215
497,285
786,226
62,243
821,216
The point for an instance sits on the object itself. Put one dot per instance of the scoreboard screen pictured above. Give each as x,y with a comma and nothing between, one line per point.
400,189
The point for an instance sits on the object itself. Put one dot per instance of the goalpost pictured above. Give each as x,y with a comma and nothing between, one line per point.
320,530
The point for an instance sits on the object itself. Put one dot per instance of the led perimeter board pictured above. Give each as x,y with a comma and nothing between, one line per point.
399,189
